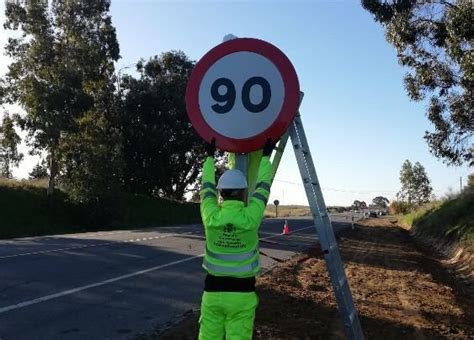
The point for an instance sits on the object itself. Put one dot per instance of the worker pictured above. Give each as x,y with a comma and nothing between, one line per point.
231,256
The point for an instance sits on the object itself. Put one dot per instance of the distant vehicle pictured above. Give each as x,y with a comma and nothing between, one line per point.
372,214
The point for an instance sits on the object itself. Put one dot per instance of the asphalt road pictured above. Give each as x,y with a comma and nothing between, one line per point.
113,285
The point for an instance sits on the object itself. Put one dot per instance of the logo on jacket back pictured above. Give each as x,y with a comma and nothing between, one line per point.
229,228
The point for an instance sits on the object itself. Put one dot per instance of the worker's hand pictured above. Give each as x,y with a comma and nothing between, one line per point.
211,148
269,146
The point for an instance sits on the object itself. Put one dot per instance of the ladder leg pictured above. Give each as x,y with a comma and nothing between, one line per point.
325,231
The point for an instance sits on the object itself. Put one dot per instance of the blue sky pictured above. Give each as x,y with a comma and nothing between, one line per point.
359,121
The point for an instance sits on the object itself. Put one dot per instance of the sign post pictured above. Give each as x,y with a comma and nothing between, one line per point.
277,203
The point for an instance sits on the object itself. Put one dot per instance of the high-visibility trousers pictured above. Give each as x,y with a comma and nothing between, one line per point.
227,315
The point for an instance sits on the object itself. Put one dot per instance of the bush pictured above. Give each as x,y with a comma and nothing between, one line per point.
27,211
470,181
450,220
399,207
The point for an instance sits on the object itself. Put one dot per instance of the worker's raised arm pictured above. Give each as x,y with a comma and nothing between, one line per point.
208,185
259,198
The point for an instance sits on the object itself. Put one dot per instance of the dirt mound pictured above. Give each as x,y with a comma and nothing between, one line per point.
399,291
455,257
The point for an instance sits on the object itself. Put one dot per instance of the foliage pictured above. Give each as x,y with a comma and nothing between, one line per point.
470,181
399,207
161,151
359,205
93,161
48,89
26,210
9,140
69,216
434,39
416,188
39,171
450,220
62,68
380,201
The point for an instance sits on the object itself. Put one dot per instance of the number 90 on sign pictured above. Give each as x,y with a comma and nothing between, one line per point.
228,97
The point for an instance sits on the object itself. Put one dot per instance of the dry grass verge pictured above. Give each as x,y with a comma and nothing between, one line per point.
287,211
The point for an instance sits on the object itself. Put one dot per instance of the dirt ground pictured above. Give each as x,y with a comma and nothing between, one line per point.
399,292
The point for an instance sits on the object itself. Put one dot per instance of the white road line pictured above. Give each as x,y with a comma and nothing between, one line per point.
117,242
118,278
93,245
93,285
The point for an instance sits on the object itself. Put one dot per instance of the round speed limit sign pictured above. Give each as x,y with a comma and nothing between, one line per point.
242,92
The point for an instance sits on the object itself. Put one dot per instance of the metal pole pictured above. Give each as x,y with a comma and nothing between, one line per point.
241,163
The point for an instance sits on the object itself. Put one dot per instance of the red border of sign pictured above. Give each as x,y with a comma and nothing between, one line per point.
288,110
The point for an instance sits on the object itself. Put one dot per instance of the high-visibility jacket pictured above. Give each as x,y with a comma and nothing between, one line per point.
231,227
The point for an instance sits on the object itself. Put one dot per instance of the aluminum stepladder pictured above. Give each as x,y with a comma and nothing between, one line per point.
325,231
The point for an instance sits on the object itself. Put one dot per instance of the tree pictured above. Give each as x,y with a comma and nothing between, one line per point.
39,171
416,188
91,152
9,140
359,205
40,79
161,151
61,73
356,204
381,201
434,39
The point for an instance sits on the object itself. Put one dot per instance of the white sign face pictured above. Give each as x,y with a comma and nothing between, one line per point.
241,95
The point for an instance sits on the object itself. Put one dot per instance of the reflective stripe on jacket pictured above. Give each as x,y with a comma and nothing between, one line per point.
232,228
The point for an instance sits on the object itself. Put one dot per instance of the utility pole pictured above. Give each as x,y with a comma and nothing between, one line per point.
460,183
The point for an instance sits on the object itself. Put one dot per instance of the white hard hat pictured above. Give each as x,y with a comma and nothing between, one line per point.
232,179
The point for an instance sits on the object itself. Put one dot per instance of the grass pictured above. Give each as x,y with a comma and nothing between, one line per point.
26,211
287,210
450,220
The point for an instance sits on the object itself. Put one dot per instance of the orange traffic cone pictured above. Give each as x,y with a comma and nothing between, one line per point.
286,228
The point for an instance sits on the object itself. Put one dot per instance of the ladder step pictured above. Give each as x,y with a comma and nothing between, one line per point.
351,320
352,316
330,249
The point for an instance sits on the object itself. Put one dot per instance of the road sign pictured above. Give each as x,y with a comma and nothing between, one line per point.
242,92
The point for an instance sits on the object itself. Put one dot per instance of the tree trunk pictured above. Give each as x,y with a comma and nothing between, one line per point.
52,172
